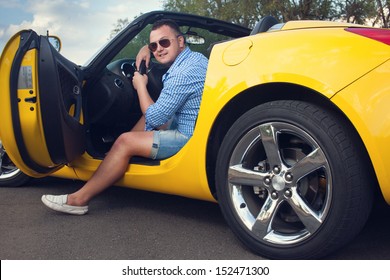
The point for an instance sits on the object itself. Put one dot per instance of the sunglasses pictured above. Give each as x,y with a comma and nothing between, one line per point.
165,43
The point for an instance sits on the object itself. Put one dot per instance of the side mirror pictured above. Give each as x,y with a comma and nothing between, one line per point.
55,41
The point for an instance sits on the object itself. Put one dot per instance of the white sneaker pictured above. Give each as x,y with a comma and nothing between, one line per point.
58,203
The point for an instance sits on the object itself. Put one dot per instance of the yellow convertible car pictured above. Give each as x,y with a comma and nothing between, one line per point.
292,138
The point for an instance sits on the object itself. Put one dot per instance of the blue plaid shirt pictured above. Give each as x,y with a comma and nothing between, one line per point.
181,94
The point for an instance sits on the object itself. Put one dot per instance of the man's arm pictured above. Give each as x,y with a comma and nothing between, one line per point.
143,54
139,83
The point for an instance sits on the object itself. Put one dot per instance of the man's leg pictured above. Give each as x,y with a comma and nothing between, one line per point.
114,165
140,125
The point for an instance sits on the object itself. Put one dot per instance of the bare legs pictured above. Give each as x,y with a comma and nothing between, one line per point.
114,165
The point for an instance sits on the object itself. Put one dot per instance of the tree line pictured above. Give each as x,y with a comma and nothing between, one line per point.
248,12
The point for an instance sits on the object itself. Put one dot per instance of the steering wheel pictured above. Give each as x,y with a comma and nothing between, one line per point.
126,68
142,68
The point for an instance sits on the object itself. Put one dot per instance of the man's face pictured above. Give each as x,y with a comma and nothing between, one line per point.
166,55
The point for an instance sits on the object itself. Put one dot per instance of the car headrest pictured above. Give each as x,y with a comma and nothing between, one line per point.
264,24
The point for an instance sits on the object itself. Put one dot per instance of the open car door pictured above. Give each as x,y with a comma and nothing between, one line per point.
40,105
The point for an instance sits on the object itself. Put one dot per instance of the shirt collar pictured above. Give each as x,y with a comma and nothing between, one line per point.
179,59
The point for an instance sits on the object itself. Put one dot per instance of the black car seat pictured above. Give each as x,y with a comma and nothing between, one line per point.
264,24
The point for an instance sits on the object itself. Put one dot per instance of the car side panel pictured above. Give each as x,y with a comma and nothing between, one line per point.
366,104
325,60
182,174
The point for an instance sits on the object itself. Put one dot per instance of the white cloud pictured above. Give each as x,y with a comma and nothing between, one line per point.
83,25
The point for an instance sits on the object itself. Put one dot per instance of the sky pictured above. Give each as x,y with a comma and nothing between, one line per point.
84,26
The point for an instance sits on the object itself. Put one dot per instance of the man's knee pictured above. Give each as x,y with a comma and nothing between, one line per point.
124,140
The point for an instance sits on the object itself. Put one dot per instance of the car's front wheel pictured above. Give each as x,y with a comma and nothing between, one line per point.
292,181
10,175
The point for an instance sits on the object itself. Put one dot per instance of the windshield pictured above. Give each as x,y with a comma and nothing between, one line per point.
142,39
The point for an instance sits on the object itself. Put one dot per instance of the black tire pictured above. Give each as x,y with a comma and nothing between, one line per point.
291,181
10,175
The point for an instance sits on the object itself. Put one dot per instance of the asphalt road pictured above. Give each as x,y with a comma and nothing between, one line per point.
127,224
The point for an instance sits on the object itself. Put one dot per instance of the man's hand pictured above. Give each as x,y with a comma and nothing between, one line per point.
143,54
139,81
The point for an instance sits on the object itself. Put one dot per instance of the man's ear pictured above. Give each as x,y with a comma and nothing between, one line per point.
182,41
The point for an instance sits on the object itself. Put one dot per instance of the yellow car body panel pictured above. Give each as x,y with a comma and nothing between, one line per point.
29,115
292,65
366,103
183,174
66,172
301,24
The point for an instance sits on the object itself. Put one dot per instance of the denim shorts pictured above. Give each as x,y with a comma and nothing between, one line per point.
166,143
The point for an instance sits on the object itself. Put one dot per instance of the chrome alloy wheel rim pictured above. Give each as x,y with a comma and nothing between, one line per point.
279,183
7,168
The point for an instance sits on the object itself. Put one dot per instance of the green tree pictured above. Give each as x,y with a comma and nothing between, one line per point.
383,15
286,10
248,12
120,24
357,11
242,12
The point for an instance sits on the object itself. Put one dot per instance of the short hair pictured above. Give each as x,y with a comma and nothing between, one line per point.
168,22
